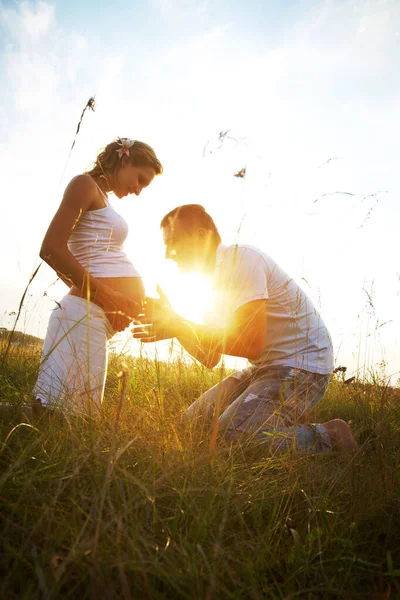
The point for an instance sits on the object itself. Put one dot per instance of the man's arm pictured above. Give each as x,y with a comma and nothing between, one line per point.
244,336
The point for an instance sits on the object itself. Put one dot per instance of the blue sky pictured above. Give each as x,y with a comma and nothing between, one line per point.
310,92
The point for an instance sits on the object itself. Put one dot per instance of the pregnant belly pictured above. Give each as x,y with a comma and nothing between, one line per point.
129,286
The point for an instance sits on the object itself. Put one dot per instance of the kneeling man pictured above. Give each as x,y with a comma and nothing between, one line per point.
259,313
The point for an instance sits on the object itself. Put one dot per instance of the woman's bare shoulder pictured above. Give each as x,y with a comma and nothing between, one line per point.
81,191
83,182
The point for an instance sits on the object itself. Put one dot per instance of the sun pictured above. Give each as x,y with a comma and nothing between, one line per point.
188,293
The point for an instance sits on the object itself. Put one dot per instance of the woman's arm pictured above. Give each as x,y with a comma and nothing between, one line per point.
79,196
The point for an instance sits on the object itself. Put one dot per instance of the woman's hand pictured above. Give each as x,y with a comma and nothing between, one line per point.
120,309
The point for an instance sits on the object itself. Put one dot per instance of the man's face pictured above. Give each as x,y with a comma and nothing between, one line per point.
186,249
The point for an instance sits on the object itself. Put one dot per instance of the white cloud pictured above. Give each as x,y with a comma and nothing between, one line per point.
30,23
35,81
34,57
180,9
376,27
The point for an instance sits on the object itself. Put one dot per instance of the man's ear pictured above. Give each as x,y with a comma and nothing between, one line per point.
202,233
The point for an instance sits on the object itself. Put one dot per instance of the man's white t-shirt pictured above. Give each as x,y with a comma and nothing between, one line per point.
296,334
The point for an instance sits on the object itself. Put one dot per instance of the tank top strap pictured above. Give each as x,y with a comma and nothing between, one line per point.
101,192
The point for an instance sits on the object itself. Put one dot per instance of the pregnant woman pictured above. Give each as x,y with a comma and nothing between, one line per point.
83,244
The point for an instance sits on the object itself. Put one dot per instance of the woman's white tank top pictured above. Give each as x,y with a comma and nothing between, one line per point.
97,243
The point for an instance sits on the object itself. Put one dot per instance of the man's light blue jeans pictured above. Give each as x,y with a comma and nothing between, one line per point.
268,405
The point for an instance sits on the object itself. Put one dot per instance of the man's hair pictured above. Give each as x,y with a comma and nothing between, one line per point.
192,217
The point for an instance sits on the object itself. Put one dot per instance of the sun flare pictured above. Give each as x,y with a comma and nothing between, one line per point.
189,294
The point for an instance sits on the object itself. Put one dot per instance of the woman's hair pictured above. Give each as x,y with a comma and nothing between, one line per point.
192,217
108,160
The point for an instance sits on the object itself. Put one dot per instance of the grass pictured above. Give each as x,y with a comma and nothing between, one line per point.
129,504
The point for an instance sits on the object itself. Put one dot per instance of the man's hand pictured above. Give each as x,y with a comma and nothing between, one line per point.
158,320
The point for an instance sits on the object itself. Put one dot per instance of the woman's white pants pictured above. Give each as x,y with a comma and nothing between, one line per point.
73,366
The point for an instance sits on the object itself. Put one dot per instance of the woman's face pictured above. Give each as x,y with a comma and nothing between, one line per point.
131,180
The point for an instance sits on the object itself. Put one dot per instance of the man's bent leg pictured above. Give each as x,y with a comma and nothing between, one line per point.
217,398
269,409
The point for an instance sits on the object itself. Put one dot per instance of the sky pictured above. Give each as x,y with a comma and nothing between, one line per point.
304,94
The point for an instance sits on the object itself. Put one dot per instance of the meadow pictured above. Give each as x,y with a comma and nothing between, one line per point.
133,503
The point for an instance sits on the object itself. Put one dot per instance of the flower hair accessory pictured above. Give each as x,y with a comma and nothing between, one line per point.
125,144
